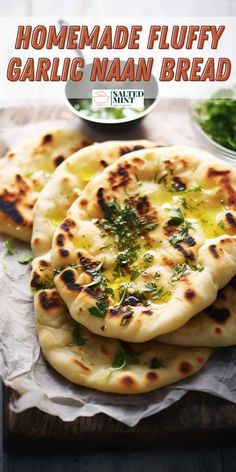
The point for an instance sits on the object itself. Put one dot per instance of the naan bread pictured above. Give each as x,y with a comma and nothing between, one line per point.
100,363
67,182
129,237
23,173
213,327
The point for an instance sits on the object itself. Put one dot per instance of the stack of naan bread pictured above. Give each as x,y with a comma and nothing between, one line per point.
134,251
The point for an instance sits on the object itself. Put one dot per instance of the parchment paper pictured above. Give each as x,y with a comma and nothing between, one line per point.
21,365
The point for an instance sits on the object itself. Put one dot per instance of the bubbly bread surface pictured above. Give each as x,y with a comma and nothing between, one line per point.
67,183
148,243
23,173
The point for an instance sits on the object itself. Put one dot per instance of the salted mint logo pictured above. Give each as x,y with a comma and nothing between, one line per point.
118,98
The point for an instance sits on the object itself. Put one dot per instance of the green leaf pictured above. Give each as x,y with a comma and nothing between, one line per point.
183,234
156,363
9,247
99,309
184,269
25,259
125,226
119,361
156,291
217,118
123,357
148,258
78,337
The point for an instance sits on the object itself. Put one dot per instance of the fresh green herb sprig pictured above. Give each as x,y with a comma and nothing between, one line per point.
183,234
79,339
100,309
181,270
126,227
9,247
25,259
156,363
123,357
178,219
157,292
217,117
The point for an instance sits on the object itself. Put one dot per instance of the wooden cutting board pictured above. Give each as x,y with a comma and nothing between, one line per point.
196,419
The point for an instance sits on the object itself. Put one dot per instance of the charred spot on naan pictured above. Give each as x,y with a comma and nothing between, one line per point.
128,381
101,198
58,160
185,368
218,330
80,364
187,253
189,294
67,225
44,264
103,163
83,202
64,252
152,376
35,279
220,315
126,149
60,239
49,300
213,251
223,178
14,201
47,138
230,220
200,359
68,277
121,177
86,264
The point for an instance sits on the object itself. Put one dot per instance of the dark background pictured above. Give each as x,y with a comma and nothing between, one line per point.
210,459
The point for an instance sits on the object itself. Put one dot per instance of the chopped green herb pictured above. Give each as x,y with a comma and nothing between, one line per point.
221,225
156,291
78,337
123,357
198,188
103,327
156,363
217,118
123,293
9,247
123,224
126,318
184,269
177,218
186,204
25,259
148,258
134,272
183,234
99,309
